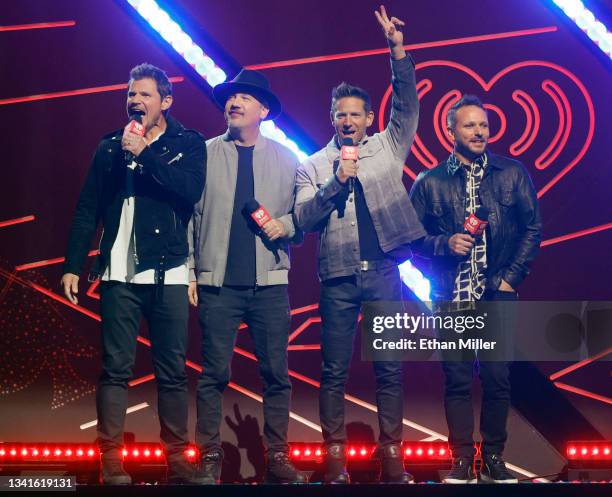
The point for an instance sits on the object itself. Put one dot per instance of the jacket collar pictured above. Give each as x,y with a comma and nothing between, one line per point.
453,164
260,143
173,128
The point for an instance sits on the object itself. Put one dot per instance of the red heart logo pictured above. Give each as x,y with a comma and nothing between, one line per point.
554,150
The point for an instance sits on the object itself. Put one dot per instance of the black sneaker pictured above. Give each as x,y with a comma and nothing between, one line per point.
462,471
112,472
209,472
279,469
335,465
493,470
392,465
180,470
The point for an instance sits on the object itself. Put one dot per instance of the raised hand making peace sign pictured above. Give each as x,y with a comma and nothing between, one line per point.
391,28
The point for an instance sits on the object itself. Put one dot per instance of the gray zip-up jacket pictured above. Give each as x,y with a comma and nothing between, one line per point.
323,203
274,169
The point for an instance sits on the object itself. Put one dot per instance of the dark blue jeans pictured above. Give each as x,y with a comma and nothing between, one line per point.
266,311
495,380
122,307
341,300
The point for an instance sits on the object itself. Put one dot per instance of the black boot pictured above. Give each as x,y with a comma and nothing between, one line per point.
279,469
335,465
392,465
209,471
111,471
180,470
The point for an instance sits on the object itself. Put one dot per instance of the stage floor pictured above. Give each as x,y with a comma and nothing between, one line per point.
356,490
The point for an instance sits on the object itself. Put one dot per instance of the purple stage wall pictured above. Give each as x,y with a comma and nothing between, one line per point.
49,351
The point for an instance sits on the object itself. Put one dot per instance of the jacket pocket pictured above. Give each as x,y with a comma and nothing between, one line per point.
505,197
440,217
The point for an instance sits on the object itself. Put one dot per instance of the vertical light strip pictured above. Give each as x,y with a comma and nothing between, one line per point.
585,20
208,69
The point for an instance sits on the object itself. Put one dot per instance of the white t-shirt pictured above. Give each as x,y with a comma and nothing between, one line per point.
122,265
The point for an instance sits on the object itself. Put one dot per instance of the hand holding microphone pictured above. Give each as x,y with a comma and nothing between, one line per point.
272,228
133,141
475,224
347,171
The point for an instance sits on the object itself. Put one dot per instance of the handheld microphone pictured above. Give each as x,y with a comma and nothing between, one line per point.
476,223
349,152
258,212
134,126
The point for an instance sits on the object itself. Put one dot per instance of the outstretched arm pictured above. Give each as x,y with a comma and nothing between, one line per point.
400,131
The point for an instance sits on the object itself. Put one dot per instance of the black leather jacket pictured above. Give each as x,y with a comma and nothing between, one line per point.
171,180
513,234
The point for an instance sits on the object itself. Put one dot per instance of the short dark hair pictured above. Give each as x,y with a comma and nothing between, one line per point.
146,70
464,101
344,90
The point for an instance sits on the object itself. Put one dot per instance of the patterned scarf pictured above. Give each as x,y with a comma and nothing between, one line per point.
470,280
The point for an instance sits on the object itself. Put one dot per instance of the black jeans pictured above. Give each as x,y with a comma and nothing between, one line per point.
341,300
266,311
495,381
122,307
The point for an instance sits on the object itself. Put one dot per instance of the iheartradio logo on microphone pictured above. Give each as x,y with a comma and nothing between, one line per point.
349,152
475,226
260,216
136,128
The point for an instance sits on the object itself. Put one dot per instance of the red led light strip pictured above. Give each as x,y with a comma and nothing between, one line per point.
49,262
579,365
48,293
38,25
72,93
19,220
56,452
584,393
43,451
413,451
576,234
414,46
589,450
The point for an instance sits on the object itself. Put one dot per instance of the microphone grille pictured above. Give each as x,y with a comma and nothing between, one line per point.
482,213
251,205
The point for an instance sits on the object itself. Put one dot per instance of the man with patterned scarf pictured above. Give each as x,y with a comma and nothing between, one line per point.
489,266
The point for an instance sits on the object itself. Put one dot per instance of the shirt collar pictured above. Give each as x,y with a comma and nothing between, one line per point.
453,164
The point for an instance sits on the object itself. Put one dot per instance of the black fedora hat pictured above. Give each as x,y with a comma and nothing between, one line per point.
251,82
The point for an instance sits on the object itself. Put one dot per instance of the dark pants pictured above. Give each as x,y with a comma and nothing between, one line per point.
341,300
266,311
495,381
122,307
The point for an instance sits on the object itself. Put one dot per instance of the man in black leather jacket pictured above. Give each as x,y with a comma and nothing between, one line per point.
468,268
142,188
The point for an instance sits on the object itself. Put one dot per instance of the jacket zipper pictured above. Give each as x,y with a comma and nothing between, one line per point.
177,158
135,254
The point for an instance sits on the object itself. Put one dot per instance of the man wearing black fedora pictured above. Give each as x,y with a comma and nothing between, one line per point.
239,269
